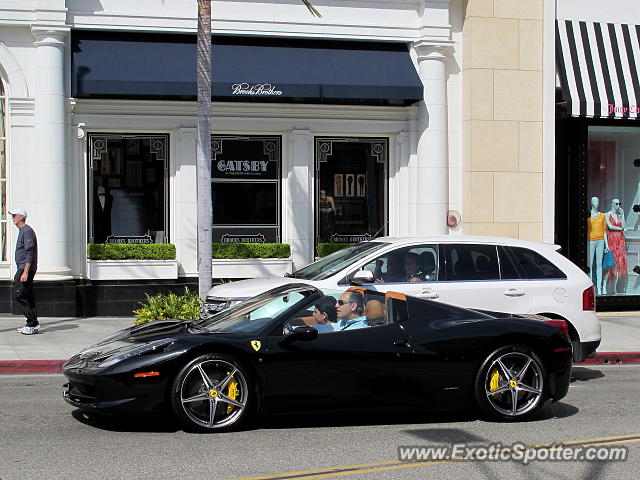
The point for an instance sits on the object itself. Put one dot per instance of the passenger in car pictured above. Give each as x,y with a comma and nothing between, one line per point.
325,314
411,273
349,310
428,266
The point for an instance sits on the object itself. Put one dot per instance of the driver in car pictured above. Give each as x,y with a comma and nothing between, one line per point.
350,310
395,271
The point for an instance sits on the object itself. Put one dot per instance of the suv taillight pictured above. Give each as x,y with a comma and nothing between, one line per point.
558,323
589,299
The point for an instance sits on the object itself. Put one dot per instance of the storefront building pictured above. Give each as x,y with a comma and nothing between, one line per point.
598,147
378,118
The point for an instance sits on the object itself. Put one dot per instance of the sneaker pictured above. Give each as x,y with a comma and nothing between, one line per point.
29,330
37,327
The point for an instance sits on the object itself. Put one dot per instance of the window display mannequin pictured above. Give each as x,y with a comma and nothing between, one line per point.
617,275
327,213
102,204
596,243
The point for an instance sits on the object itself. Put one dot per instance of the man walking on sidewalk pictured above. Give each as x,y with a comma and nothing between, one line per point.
27,262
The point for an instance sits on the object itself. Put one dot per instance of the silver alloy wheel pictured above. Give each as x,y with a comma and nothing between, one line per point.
514,384
214,393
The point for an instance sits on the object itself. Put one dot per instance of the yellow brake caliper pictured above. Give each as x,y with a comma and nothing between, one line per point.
232,393
495,381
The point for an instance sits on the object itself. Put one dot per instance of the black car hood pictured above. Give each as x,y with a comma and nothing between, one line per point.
131,337
147,332
140,334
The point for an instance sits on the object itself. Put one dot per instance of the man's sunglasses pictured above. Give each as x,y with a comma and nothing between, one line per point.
342,302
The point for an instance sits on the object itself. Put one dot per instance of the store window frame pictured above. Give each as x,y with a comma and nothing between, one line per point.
272,146
323,147
4,184
94,152
572,196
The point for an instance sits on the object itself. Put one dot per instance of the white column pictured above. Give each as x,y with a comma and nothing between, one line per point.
432,199
298,204
402,221
184,229
49,167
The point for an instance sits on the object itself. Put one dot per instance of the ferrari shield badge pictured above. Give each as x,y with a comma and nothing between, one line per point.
256,344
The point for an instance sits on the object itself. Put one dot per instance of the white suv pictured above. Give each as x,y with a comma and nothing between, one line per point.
497,274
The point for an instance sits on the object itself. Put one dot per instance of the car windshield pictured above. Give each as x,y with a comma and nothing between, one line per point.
254,314
337,261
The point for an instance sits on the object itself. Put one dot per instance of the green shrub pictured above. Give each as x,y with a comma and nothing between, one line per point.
324,249
168,306
251,250
123,251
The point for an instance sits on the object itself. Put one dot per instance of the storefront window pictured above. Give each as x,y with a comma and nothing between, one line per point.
613,218
127,198
350,189
3,174
245,188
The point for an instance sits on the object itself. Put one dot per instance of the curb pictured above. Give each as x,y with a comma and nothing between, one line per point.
612,358
14,367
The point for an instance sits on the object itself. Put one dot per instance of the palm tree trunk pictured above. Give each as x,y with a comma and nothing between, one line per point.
203,149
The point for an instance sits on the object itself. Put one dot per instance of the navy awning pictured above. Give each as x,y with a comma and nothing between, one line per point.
139,65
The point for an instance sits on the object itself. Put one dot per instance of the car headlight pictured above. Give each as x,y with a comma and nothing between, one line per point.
156,345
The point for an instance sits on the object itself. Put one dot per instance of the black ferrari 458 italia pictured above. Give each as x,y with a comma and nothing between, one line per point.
265,356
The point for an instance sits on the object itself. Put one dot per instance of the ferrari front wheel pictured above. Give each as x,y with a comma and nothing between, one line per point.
511,384
211,393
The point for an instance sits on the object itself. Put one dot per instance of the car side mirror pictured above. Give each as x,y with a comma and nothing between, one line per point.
361,277
303,334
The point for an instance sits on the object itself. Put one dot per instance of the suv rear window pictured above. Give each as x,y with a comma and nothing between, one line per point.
535,266
471,262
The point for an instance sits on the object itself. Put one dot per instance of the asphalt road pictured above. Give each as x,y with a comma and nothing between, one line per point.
41,437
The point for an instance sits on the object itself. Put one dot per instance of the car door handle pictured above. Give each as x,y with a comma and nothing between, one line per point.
402,343
514,292
429,295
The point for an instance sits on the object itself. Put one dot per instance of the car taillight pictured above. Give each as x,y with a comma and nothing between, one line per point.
589,299
558,323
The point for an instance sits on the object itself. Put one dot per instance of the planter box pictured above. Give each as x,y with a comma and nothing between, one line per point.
251,267
132,269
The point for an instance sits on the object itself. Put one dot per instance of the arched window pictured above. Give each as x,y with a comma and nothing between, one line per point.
3,173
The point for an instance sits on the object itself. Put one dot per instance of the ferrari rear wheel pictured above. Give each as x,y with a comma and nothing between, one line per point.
511,384
211,393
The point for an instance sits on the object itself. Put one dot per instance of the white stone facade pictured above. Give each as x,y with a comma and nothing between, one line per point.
47,129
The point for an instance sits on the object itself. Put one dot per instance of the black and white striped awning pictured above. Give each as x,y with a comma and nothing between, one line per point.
598,65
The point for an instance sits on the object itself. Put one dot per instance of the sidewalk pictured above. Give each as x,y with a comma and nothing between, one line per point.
61,338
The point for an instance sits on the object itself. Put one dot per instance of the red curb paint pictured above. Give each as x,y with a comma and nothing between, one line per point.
612,358
31,366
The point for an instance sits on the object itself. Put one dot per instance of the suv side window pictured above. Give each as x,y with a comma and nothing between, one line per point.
534,265
409,264
471,262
